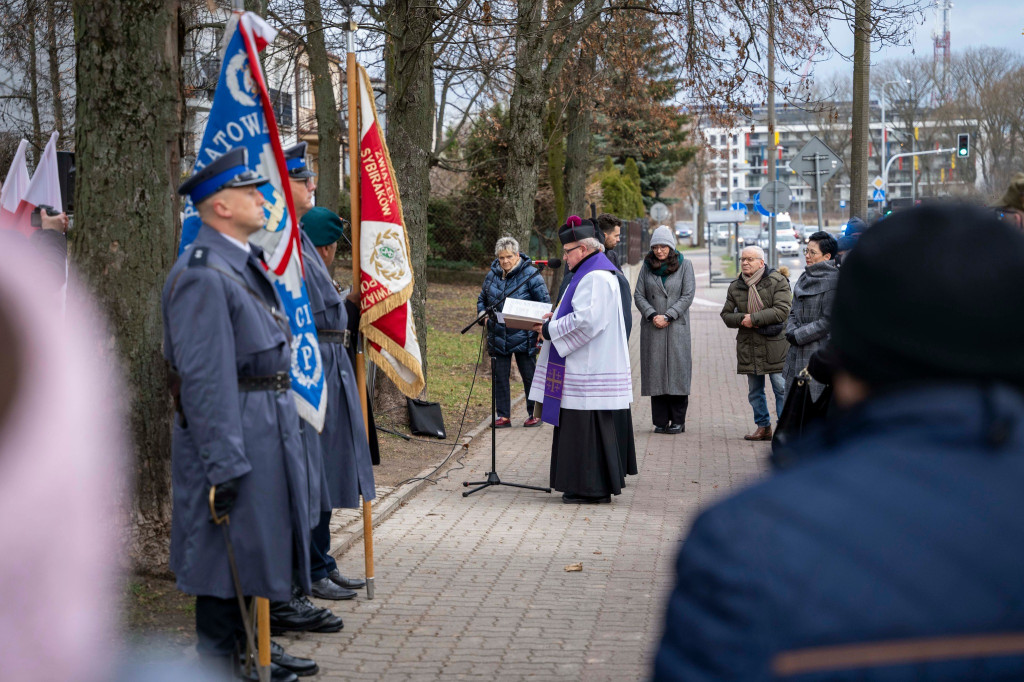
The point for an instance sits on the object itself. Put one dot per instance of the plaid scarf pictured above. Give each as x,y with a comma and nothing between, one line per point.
754,302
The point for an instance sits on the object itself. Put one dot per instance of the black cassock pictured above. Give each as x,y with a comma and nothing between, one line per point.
586,455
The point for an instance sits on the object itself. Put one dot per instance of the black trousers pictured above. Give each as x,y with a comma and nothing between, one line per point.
219,627
502,371
666,409
320,560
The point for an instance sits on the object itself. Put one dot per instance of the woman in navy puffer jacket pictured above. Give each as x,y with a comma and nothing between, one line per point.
512,274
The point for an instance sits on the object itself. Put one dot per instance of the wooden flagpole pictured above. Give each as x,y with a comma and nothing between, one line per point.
352,73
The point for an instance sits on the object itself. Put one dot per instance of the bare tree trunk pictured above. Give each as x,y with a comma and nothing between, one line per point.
53,57
409,73
33,81
579,136
526,111
128,71
554,132
861,109
328,124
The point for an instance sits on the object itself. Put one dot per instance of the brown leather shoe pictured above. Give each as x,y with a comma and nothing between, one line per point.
762,433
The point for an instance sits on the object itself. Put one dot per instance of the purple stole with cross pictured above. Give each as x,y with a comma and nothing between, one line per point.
555,376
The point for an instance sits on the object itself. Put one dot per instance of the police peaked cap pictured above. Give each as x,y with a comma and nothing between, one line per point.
229,170
295,161
576,229
323,226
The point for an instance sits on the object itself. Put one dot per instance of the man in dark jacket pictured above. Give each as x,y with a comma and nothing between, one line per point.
757,305
893,548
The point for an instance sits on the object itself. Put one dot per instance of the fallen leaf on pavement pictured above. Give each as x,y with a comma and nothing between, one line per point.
597,551
578,566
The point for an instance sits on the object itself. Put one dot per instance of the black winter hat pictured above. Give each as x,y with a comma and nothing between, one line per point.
932,293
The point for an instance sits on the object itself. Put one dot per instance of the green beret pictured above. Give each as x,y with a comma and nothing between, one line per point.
323,226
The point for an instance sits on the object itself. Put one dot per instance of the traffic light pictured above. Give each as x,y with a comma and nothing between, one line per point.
963,145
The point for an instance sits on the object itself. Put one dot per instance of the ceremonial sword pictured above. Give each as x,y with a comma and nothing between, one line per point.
262,665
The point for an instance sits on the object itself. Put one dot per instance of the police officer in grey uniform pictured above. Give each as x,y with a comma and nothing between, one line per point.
343,443
236,431
343,440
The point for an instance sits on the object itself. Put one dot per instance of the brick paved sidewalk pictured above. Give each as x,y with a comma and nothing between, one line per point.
476,587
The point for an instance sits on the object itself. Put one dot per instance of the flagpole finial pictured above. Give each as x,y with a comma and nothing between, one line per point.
238,5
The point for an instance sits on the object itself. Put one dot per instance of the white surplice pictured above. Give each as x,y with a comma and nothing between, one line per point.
592,340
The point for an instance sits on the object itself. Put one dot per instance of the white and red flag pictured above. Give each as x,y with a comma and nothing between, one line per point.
386,275
14,188
42,190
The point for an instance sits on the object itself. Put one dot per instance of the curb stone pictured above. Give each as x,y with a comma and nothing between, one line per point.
347,524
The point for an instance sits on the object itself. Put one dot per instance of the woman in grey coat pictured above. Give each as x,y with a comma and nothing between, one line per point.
664,292
810,318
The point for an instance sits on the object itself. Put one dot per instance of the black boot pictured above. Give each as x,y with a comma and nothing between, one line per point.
303,667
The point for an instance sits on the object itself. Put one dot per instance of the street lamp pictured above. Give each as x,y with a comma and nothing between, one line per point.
884,179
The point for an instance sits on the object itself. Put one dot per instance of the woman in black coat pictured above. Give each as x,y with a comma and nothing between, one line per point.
512,274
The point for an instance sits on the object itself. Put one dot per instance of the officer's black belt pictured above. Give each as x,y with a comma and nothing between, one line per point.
342,336
275,382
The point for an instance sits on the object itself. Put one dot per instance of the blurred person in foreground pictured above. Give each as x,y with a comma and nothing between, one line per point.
664,292
757,305
584,364
892,549
512,274
810,318
63,480
235,445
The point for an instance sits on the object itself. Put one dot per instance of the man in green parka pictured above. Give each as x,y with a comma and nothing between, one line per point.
757,306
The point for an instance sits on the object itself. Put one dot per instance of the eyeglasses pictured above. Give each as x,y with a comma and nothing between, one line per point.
749,260
566,252
808,252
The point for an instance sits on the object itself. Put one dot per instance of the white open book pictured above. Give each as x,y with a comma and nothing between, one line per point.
521,314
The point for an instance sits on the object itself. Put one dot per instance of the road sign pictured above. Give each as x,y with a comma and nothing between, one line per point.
774,197
738,206
828,162
842,203
878,195
659,212
877,182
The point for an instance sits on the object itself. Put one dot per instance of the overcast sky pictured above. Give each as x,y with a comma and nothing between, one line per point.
973,23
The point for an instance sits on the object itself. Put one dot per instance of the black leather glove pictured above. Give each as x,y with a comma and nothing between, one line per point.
224,496
482,321
791,337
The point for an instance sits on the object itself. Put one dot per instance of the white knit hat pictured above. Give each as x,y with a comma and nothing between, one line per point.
663,237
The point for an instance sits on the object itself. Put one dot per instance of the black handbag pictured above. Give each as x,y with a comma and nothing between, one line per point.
425,419
800,411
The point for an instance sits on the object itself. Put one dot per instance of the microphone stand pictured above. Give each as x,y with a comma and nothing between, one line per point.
492,475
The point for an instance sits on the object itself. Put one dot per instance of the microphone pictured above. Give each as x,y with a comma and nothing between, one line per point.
549,263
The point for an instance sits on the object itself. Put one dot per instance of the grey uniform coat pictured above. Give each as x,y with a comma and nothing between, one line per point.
810,319
665,354
223,320
346,453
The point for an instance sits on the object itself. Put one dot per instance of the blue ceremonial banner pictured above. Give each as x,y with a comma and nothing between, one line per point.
242,116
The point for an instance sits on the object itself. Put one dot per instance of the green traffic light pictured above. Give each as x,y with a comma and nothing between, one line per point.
963,152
